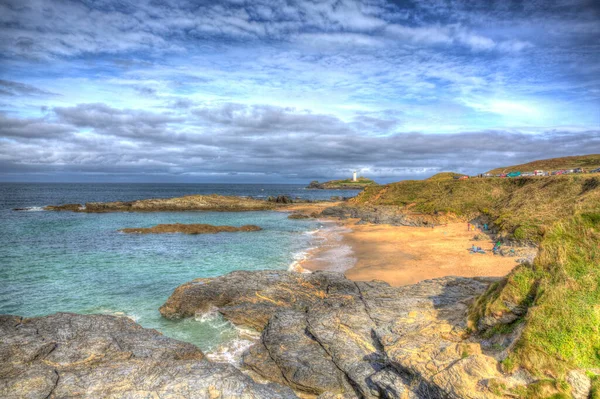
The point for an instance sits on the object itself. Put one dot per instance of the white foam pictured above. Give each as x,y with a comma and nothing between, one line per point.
231,350
35,209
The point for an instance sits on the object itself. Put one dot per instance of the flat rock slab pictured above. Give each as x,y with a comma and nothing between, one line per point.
100,356
324,334
190,229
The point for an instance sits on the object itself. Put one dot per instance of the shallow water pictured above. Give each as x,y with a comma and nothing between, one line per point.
78,262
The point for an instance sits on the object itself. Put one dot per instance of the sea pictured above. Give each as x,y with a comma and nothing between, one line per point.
78,262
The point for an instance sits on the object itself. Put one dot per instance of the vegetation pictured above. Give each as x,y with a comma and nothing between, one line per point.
587,162
361,182
445,176
559,294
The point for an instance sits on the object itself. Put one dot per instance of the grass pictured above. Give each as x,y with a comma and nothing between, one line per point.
360,181
587,162
560,291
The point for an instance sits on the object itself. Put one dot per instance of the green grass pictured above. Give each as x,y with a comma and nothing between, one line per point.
360,181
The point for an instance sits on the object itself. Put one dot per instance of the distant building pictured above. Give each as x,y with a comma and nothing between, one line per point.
354,176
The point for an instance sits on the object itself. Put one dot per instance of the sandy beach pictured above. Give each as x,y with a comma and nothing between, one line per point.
402,255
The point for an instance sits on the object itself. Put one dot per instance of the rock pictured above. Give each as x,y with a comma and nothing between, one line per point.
189,229
304,366
98,356
280,199
298,215
65,207
188,203
580,384
315,185
383,215
323,334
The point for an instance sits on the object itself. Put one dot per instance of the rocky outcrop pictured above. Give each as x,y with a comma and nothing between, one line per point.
101,356
326,335
341,184
65,207
280,199
187,203
189,229
384,215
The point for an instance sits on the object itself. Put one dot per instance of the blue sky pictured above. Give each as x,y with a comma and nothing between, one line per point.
289,91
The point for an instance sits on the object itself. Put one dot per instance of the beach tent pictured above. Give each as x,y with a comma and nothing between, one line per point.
514,174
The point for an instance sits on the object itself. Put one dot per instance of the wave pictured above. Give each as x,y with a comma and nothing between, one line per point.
231,349
31,209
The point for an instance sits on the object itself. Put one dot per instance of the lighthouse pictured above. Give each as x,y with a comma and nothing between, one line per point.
354,176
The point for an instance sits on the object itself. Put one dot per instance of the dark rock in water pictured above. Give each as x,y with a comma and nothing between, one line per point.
298,216
99,356
324,334
65,207
280,199
190,229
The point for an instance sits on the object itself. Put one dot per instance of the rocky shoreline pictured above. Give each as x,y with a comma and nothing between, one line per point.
100,356
220,203
323,334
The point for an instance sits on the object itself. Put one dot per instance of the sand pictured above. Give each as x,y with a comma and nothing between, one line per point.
402,255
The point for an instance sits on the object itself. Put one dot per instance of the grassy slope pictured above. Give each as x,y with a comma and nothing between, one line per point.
587,162
561,214
360,181
444,176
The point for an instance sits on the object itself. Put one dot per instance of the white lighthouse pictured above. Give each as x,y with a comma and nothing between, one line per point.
354,176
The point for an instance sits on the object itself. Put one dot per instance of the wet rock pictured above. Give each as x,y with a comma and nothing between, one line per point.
189,229
324,334
98,356
298,215
280,199
65,207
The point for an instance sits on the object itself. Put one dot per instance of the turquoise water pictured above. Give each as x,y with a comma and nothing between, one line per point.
76,262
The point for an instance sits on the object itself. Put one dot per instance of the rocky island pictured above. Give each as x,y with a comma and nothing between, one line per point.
189,229
347,184
220,203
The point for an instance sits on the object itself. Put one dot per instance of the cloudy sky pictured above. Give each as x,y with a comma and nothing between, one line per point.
290,91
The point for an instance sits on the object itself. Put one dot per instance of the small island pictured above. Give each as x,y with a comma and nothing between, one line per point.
356,183
189,229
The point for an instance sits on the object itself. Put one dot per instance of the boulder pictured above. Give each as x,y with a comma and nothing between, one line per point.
101,356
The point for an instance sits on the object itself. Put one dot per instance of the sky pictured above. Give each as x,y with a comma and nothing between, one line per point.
277,91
